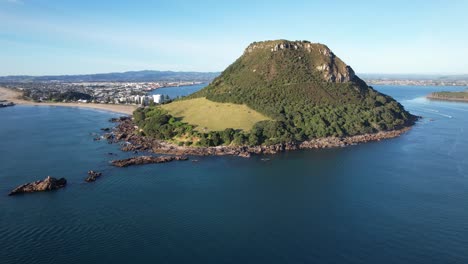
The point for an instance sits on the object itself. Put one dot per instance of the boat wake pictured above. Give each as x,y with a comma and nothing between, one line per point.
430,111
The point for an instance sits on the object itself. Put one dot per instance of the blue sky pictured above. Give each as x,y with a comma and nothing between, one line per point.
70,37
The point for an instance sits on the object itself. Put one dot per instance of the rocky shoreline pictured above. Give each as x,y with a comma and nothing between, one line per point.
140,160
126,131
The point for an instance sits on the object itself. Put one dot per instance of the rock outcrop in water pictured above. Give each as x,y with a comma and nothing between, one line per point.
48,184
92,176
146,160
4,103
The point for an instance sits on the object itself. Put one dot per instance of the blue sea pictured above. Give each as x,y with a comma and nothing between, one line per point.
403,200
174,92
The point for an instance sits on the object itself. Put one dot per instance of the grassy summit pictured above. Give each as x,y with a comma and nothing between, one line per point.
303,88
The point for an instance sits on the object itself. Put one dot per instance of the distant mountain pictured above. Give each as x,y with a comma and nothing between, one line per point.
130,76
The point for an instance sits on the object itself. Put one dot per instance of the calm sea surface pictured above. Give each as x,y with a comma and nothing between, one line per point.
403,200
174,92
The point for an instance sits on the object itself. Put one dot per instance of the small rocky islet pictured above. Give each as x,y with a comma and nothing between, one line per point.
48,184
92,176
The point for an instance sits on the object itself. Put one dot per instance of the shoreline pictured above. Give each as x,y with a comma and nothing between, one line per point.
14,97
125,131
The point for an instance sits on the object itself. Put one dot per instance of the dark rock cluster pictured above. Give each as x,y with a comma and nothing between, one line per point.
48,184
4,103
140,160
92,176
119,119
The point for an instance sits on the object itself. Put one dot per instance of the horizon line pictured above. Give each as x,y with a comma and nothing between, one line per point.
211,72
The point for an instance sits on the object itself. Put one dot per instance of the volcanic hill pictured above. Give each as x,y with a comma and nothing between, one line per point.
288,91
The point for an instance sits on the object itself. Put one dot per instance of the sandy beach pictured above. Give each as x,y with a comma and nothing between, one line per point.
14,96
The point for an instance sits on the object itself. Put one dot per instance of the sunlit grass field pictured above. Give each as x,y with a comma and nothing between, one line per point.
212,116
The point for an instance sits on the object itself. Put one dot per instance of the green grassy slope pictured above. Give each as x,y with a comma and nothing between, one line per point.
207,115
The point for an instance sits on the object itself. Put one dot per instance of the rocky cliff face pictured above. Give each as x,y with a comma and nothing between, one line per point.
332,68
331,73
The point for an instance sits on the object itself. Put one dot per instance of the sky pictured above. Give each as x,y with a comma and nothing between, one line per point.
39,37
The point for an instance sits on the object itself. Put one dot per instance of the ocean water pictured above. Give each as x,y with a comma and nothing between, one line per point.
174,92
402,200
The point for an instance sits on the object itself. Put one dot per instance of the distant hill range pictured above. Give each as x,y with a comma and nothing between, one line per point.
174,76
130,76
416,79
433,77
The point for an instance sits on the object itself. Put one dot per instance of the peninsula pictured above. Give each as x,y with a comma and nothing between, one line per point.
449,96
278,95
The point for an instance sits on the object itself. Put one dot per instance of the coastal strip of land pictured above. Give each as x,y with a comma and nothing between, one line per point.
127,132
15,97
449,96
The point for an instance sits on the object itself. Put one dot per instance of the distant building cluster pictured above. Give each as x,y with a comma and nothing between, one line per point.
96,92
142,100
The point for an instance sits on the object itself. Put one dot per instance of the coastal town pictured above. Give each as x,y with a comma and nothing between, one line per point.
126,93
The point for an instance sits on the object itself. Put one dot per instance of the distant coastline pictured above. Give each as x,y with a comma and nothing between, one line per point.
396,82
416,79
14,97
447,97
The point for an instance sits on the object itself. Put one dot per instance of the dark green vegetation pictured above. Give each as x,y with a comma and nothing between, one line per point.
455,96
158,123
58,96
306,90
